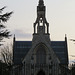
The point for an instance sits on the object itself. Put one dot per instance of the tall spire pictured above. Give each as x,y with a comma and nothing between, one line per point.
41,25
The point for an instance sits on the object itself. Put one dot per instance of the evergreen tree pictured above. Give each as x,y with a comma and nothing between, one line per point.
4,33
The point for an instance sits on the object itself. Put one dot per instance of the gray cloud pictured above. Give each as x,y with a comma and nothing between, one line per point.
21,34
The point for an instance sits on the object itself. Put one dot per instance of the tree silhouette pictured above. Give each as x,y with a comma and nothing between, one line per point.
4,33
73,69
7,56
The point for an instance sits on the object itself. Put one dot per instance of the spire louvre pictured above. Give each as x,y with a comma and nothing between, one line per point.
41,26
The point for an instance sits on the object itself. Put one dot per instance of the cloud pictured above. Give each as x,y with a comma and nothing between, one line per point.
21,34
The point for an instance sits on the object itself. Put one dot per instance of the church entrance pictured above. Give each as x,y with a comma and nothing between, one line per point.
41,72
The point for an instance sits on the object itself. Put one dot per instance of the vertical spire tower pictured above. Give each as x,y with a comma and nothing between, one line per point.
41,25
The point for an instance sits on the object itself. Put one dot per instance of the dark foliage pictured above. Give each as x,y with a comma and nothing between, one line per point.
4,33
4,70
6,62
73,69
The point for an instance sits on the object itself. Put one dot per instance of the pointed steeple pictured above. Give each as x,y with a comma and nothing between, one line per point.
41,26
14,38
66,46
66,41
65,37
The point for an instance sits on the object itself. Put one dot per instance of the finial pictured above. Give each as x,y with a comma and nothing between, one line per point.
14,35
65,35
14,38
41,2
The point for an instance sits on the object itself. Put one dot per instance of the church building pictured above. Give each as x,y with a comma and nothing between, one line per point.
41,56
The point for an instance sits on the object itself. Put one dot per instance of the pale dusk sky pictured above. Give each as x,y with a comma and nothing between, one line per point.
59,13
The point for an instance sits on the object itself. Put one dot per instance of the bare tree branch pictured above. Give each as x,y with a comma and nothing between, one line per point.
2,9
6,53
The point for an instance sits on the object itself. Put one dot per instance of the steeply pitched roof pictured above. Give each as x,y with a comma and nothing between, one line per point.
60,48
21,48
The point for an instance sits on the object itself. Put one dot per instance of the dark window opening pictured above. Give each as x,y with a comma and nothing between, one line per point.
41,55
41,72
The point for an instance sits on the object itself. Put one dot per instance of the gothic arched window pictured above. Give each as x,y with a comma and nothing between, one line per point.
41,55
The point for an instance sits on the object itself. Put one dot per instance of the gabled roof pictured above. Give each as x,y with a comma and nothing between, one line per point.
21,48
60,48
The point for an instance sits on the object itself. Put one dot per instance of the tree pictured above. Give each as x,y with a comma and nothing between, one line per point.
4,33
3,68
7,54
73,69
0,67
7,57
73,65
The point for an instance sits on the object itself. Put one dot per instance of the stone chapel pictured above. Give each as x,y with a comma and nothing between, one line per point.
41,56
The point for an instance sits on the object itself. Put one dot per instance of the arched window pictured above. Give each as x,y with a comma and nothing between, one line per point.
41,55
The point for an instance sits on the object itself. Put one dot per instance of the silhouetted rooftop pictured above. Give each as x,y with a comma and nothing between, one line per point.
21,48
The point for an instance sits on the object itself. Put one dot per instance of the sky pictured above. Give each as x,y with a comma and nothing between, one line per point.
59,13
